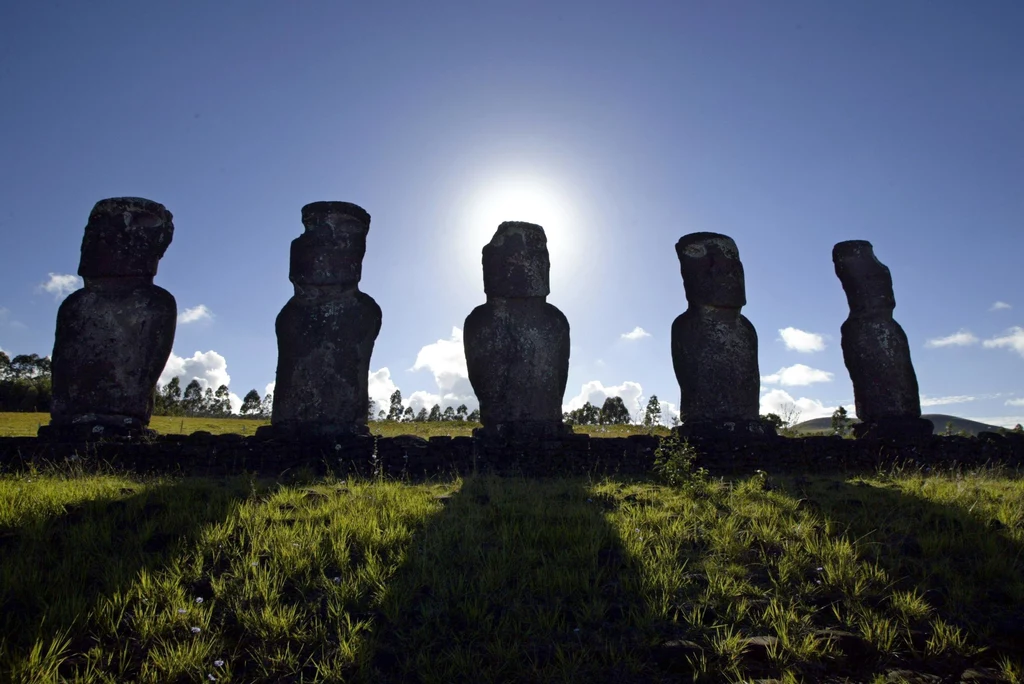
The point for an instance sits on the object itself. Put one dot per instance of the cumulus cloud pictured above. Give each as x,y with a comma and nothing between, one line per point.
802,341
636,333
777,401
60,285
941,401
595,392
269,388
1015,402
797,375
998,306
209,369
961,338
446,360
380,387
1013,339
196,313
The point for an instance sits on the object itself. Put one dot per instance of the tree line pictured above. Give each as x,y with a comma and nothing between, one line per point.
25,383
397,412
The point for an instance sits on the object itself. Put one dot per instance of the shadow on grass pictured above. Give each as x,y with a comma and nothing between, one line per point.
964,564
54,568
515,580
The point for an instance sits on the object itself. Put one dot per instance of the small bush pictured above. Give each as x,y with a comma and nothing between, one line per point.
675,463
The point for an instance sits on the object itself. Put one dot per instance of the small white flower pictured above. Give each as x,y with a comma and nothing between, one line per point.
211,677
182,611
218,663
196,630
590,501
199,600
337,447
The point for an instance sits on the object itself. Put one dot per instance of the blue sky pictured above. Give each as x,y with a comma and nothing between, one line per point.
620,127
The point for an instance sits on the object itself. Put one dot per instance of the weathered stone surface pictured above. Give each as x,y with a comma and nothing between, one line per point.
326,331
114,336
517,345
714,347
875,348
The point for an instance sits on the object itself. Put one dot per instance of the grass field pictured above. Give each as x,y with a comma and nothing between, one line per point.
26,425
107,578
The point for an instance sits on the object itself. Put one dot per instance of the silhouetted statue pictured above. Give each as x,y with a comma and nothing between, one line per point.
714,347
875,348
517,345
325,333
114,336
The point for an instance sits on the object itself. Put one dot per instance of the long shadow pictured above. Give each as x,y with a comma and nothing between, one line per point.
514,581
966,567
54,568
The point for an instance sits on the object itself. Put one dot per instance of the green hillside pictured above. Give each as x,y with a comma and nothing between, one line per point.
939,420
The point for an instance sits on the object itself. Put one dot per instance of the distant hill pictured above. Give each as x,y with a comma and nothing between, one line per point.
939,420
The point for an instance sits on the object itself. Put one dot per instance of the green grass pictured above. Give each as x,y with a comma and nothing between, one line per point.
26,425
107,578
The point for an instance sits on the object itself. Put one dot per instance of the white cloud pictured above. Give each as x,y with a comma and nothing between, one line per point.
1013,339
961,338
595,392
446,360
941,401
635,334
797,375
777,401
421,399
1015,402
999,306
61,285
668,412
801,341
380,387
269,388
196,313
210,369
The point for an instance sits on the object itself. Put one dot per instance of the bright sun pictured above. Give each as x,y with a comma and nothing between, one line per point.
530,198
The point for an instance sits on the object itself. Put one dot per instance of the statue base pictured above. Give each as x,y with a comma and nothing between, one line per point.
894,428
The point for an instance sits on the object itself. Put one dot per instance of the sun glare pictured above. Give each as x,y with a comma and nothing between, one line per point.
523,198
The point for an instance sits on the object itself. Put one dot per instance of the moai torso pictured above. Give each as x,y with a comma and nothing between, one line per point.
875,348
517,345
114,336
326,331
714,347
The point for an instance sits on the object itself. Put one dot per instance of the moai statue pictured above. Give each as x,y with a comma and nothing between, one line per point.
714,347
113,336
325,333
875,348
517,345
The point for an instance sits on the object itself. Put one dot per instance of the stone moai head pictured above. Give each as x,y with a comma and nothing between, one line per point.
125,237
866,280
516,261
331,250
712,271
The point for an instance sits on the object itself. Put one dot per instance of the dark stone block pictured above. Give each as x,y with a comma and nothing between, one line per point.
875,347
894,429
517,345
114,336
714,347
326,331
